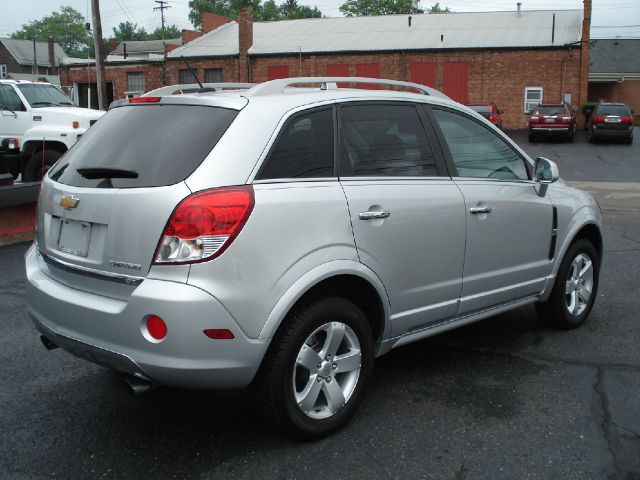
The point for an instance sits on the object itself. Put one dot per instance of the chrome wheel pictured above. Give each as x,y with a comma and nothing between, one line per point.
327,370
579,285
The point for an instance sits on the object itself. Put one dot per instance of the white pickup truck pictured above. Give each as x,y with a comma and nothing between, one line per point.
38,123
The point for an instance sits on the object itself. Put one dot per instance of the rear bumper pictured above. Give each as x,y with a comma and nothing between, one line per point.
604,132
541,130
109,331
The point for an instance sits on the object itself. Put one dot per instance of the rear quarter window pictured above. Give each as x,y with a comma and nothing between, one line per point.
163,144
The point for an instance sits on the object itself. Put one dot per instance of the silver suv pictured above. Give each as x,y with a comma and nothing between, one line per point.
283,237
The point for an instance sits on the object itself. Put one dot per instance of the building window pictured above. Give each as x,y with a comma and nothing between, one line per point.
213,75
135,81
532,97
185,76
3,71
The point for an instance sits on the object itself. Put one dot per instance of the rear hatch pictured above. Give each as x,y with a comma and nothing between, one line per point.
551,116
613,117
104,206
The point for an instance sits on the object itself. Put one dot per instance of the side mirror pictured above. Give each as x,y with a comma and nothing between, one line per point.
545,172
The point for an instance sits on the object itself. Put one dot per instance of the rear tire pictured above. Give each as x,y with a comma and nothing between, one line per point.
575,288
34,171
315,373
532,138
629,140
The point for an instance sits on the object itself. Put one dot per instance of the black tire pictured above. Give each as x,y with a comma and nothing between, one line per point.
629,140
555,312
532,138
274,383
33,170
591,138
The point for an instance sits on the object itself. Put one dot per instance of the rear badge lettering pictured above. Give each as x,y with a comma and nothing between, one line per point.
127,265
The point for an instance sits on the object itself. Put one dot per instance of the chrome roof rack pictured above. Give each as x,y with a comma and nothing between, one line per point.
183,88
275,87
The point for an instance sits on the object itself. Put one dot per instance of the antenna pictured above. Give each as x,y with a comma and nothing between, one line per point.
192,72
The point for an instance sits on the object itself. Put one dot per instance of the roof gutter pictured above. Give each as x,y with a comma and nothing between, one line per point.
613,77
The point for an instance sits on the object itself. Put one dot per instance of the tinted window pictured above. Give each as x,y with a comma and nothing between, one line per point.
385,140
551,110
10,99
162,143
619,110
477,151
303,149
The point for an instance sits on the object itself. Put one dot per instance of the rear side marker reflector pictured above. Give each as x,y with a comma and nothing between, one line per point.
219,333
204,224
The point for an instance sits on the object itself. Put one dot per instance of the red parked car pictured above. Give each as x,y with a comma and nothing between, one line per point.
488,110
552,120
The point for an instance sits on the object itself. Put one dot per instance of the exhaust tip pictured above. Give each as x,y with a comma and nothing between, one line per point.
137,386
48,344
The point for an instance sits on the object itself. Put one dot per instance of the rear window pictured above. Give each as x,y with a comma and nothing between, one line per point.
551,110
618,110
163,144
481,109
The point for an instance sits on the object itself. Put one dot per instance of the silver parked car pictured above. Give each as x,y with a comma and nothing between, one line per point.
284,237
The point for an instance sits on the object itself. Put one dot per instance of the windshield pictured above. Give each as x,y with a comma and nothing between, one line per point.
42,95
481,109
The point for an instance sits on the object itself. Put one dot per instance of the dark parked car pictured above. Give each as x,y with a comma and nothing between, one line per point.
488,110
611,120
552,120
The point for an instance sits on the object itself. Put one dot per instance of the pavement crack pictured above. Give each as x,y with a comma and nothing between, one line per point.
603,418
628,430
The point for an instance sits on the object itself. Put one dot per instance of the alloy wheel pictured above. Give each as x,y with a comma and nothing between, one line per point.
579,285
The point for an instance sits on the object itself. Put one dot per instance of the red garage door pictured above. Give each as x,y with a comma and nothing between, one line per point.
338,70
423,73
371,70
280,71
455,80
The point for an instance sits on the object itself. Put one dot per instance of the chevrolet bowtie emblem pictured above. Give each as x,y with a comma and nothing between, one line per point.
69,201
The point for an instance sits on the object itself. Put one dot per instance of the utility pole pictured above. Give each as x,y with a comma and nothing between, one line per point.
163,6
99,48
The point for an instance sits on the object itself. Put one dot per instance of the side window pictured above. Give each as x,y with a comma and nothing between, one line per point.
385,140
10,99
304,148
477,151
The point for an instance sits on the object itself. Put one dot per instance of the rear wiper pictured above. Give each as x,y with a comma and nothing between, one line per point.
92,173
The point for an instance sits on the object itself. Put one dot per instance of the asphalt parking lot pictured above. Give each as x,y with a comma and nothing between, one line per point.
505,398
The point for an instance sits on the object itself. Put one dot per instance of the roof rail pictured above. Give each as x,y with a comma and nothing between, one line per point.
329,83
182,88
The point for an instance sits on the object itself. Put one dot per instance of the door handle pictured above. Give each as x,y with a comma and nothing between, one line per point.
477,210
374,215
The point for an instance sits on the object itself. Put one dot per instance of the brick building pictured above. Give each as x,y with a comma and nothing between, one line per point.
17,59
614,72
515,59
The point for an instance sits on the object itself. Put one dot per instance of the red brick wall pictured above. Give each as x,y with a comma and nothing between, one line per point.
493,75
497,75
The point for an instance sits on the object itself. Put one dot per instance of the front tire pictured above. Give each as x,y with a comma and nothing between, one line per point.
39,164
318,366
575,288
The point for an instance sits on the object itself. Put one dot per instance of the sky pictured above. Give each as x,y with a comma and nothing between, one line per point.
610,18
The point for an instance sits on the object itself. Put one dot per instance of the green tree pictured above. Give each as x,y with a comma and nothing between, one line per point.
291,9
357,8
436,8
67,27
170,31
127,31
271,11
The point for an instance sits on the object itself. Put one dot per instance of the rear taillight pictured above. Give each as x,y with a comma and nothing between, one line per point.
535,118
598,119
626,120
145,99
566,118
204,224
